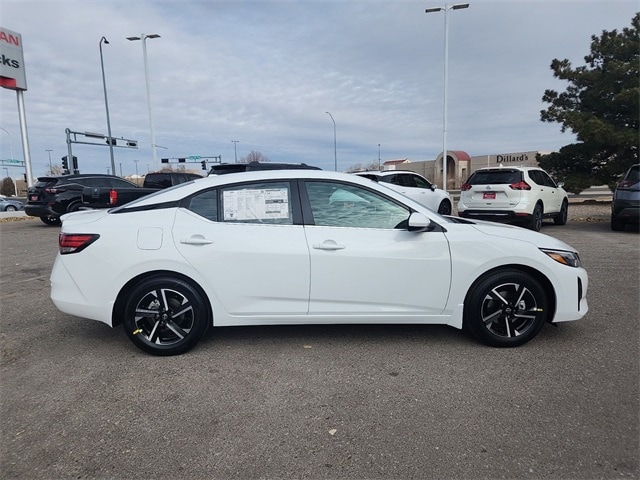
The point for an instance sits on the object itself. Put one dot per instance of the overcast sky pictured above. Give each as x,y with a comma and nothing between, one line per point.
265,73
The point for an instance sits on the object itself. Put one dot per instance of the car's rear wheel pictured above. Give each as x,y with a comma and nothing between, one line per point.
10,208
51,220
505,309
445,207
561,218
617,225
165,316
536,218
74,207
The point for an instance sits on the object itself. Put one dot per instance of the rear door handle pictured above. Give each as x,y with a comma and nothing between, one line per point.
196,240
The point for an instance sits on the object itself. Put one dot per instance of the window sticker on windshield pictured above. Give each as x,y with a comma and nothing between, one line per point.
256,204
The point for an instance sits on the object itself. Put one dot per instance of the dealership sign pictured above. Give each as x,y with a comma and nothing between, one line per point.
12,74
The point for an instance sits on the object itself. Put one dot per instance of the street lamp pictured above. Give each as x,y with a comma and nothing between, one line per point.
10,147
50,166
445,9
335,150
235,149
144,37
106,104
378,157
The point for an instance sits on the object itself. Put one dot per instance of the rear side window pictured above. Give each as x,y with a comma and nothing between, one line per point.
495,177
633,174
205,204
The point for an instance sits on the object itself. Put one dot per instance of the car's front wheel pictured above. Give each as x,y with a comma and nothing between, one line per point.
445,207
10,208
51,220
165,316
505,309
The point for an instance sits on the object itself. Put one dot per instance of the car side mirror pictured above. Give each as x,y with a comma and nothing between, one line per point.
433,187
419,222
560,184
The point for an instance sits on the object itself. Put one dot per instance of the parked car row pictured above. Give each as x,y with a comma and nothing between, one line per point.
518,195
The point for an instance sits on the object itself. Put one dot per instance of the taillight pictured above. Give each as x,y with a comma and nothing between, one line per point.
465,187
113,197
75,242
53,191
624,184
522,185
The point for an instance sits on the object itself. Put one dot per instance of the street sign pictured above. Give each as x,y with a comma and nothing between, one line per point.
195,157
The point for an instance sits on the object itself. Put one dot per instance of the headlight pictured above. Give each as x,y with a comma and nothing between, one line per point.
566,258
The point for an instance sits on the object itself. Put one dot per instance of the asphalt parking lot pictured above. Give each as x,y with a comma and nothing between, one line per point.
78,400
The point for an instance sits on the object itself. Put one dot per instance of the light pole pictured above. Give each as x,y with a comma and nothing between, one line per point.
378,157
445,9
335,149
50,166
106,104
144,37
235,149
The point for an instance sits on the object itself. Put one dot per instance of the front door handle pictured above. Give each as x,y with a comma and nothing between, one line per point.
328,245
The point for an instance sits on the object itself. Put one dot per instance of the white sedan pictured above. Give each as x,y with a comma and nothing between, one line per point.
306,247
414,186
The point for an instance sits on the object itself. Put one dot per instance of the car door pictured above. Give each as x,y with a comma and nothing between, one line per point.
243,240
365,261
413,186
549,192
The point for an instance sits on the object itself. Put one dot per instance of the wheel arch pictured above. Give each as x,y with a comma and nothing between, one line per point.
121,298
541,278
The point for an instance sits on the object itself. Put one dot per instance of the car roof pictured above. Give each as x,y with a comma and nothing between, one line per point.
507,168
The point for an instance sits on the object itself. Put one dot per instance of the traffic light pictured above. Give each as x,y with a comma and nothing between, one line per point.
65,164
111,141
182,160
164,160
204,164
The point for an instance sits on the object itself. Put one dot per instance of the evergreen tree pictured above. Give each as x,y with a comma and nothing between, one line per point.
601,106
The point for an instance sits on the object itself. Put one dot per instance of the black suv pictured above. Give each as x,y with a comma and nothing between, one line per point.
168,179
625,207
54,196
222,168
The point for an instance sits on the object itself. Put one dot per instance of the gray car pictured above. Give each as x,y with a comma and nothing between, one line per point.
9,205
625,207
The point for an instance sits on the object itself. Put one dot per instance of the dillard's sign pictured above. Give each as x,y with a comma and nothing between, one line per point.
512,158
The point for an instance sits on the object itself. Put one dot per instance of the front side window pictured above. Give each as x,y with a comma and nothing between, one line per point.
342,205
268,202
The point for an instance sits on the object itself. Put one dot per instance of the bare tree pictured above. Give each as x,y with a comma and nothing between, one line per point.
253,157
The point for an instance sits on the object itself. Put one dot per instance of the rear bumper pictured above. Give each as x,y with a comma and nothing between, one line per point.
40,210
626,210
496,216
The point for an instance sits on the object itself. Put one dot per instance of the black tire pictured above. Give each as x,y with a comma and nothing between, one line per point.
445,207
617,225
505,309
51,220
536,218
165,316
74,207
10,208
561,218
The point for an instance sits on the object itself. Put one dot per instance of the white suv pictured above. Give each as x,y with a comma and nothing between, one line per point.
414,186
520,195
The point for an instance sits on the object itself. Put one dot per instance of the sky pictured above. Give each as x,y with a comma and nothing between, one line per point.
230,77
